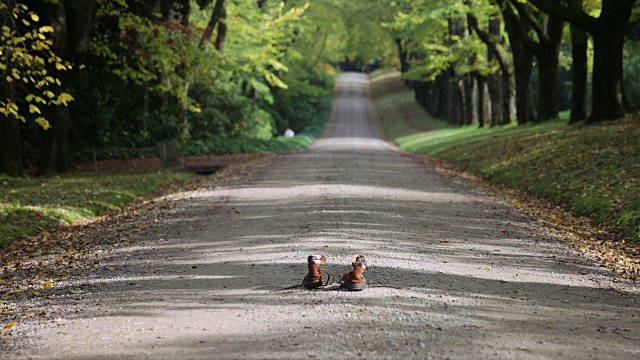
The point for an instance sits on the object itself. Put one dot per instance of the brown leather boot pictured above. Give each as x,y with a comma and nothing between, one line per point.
314,277
354,281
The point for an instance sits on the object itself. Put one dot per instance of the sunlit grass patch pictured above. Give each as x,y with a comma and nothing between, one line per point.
30,205
592,170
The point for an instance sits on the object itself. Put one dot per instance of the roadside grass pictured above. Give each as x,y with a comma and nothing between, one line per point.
592,170
30,205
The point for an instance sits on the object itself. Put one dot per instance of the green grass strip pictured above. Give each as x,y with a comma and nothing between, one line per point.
30,205
592,170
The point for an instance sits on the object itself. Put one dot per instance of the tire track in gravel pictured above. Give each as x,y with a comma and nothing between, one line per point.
476,280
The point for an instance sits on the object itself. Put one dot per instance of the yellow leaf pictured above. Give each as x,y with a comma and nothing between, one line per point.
35,17
46,29
43,123
47,284
34,109
10,325
64,99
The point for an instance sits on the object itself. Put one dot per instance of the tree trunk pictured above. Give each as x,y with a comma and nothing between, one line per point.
72,20
402,55
423,99
523,66
607,81
457,113
469,104
443,110
608,41
216,14
547,55
608,77
221,37
579,46
428,97
484,105
496,98
10,144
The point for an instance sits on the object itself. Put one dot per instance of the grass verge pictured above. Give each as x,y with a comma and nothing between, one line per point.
30,205
590,170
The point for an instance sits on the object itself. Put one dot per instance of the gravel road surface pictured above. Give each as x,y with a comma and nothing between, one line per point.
460,274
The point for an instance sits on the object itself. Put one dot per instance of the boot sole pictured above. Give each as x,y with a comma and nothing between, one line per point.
356,287
312,285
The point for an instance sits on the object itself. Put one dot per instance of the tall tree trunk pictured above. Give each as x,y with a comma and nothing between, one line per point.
430,95
496,98
469,104
72,21
607,32
484,101
458,103
579,47
443,110
547,55
221,37
10,144
501,86
608,77
402,55
523,66
494,81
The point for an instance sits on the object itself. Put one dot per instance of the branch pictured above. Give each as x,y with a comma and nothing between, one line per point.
213,21
486,38
532,21
575,17
510,17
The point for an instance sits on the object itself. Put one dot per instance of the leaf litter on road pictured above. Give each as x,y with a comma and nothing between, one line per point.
30,267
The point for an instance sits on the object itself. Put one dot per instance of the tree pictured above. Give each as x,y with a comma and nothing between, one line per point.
30,73
501,85
579,47
72,21
608,33
544,40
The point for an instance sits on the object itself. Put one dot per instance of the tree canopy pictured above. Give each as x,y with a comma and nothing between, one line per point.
112,77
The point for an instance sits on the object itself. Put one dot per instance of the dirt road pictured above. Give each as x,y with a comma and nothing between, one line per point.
476,280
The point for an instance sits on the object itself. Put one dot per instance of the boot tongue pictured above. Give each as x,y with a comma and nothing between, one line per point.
316,259
359,260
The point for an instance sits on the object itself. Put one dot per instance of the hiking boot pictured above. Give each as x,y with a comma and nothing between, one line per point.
314,277
354,281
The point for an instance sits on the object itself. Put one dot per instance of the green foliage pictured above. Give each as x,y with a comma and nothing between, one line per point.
426,31
590,169
28,205
632,72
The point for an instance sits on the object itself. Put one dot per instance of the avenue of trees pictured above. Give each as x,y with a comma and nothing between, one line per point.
107,77
112,76
495,62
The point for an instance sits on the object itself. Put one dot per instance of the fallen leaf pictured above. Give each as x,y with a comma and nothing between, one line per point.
47,284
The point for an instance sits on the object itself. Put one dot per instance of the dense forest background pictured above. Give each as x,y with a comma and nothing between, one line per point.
98,79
